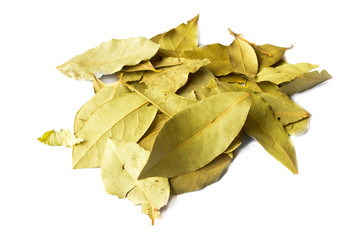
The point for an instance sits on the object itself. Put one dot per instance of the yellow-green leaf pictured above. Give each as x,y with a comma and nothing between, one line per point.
233,78
172,78
183,37
168,62
142,66
284,73
120,168
196,135
105,94
128,122
262,125
148,139
167,102
201,178
304,82
217,53
243,58
195,82
284,109
298,128
274,55
62,138
109,57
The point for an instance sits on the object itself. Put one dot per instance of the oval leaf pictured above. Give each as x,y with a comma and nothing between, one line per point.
109,57
196,135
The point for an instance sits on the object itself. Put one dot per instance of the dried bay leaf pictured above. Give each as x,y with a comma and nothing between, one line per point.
105,94
183,37
196,82
131,76
172,78
267,60
298,128
233,78
109,57
211,89
284,108
220,64
284,73
168,62
167,102
62,138
196,135
142,66
128,122
201,178
148,139
120,168
242,57
262,125
304,82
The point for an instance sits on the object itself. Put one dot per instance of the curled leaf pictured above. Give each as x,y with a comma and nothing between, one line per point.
62,138
284,73
304,82
109,57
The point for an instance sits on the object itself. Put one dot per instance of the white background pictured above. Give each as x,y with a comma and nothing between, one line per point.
43,198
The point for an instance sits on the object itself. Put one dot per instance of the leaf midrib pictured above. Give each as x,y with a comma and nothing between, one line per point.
206,127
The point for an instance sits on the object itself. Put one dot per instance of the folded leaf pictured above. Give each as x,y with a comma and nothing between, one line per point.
120,167
274,55
131,76
62,138
262,125
172,78
148,139
97,84
298,128
284,108
284,73
217,53
128,122
167,102
109,57
195,82
211,89
243,58
183,37
201,178
196,135
233,78
304,82
142,66
168,62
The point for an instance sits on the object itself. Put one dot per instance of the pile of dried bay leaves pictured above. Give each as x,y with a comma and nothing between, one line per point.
178,111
